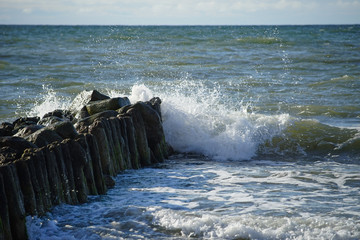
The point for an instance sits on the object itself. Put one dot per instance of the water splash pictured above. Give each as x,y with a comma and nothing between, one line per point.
197,118
48,101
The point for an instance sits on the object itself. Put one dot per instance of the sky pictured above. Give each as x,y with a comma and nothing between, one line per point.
179,12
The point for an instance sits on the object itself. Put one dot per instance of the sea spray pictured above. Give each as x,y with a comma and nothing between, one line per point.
197,118
48,101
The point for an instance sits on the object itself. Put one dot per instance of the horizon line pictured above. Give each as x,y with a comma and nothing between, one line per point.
175,25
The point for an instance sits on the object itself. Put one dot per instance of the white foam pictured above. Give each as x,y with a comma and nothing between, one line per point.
40,228
217,226
198,119
47,102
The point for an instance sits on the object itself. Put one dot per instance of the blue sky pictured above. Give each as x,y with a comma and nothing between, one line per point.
179,12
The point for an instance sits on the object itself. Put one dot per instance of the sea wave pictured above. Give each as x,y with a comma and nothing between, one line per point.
200,119
312,138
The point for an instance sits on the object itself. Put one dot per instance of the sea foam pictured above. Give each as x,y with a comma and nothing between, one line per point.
199,119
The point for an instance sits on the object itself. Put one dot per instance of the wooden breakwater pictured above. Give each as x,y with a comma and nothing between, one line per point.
68,155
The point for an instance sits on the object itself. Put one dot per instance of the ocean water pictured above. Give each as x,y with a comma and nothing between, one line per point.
265,121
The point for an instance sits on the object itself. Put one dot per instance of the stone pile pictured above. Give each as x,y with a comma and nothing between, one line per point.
67,155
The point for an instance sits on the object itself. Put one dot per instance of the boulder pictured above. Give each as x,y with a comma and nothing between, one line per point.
83,113
44,137
151,119
50,120
64,129
27,130
85,97
155,103
13,147
63,114
23,122
56,116
6,129
107,104
8,154
141,137
82,125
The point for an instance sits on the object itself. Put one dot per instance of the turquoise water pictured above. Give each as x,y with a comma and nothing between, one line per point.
270,115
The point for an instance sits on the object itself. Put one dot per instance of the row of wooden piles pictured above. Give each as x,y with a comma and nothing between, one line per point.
100,146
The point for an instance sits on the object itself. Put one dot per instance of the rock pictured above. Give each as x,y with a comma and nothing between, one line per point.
22,122
53,133
82,125
114,140
56,190
153,126
83,113
39,178
27,130
6,129
56,116
63,114
4,133
79,160
155,103
50,120
108,104
124,142
134,155
64,175
85,97
67,159
26,186
44,137
8,154
15,200
96,164
5,228
152,122
140,136
88,167
64,129
98,130
36,181
13,147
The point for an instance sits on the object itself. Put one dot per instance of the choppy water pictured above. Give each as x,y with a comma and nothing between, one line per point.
271,115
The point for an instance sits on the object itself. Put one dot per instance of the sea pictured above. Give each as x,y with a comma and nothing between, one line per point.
264,121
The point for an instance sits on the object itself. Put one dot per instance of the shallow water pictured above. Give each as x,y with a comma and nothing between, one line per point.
191,196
